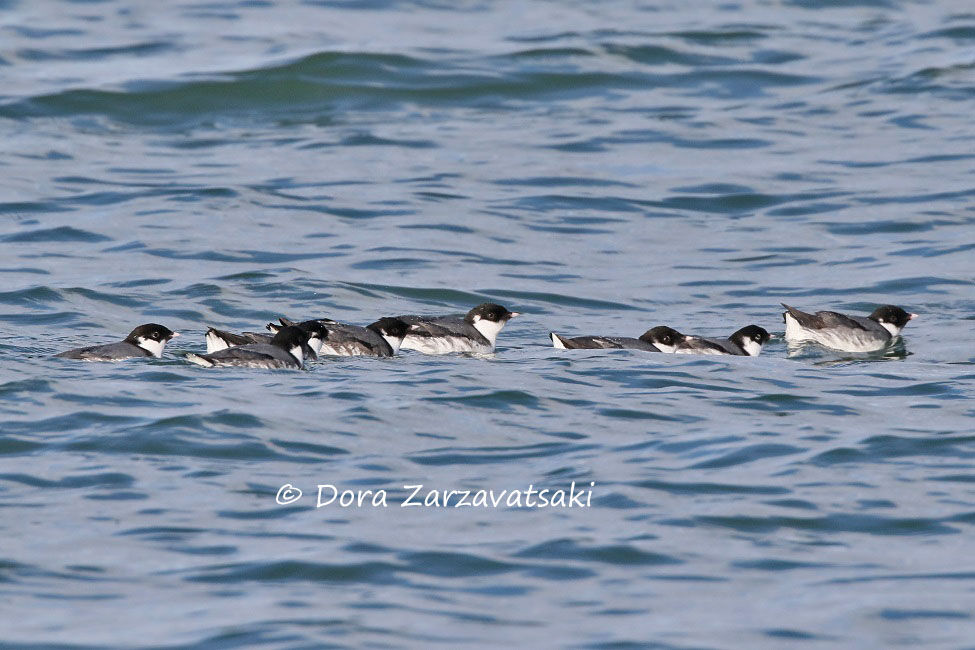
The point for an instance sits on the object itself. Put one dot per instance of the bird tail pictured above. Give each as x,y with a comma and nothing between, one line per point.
809,321
557,342
220,340
198,360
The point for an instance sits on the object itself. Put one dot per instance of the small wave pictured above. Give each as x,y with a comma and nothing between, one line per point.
106,479
59,234
834,523
620,555
295,571
487,455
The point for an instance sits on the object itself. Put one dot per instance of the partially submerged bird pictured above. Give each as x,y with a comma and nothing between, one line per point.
666,339
221,340
147,340
662,335
477,331
380,339
747,341
846,333
285,350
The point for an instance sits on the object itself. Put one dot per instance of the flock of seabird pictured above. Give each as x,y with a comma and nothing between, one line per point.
288,344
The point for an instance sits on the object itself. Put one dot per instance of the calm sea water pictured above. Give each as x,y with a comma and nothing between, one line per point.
600,167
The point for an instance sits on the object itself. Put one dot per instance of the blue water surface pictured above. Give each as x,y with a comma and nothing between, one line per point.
601,168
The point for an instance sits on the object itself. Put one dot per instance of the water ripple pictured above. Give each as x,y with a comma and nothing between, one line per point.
601,171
